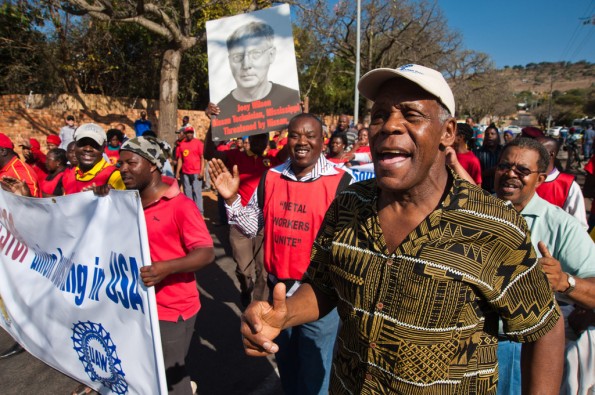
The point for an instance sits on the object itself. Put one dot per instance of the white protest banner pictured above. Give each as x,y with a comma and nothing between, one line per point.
363,172
71,292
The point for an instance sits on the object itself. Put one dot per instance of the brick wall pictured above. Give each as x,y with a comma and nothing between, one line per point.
37,116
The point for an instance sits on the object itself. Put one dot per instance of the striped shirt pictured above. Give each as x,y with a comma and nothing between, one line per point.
423,319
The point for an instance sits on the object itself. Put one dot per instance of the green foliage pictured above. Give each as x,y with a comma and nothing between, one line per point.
23,52
119,60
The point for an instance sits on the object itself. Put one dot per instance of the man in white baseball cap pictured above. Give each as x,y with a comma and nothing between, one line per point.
420,264
92,171
428,79
92,131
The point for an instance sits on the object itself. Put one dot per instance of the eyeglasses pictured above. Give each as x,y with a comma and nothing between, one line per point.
519,170
253,55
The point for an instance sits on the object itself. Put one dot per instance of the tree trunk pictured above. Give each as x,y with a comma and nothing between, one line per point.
168,94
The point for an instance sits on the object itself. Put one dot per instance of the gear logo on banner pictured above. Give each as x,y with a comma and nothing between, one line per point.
97,353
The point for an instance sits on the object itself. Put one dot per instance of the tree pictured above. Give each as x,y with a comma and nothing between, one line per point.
480,90
393,33
180,23
23,50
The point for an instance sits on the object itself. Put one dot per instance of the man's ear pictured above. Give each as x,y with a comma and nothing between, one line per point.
449,132
540,179
273,52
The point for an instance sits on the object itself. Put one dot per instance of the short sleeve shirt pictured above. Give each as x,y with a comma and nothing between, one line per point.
191,153
175,227
471,164
424,318
563,235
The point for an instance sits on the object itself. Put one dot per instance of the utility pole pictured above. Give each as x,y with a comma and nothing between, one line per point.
357,62
549,110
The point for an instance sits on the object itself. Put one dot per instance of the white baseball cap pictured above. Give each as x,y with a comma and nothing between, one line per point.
92,131
428,79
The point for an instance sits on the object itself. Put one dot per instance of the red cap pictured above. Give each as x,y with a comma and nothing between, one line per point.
531,132
5,141
34,144
188,129
53,139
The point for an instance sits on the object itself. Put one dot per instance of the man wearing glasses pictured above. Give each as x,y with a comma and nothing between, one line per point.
566,251
252,51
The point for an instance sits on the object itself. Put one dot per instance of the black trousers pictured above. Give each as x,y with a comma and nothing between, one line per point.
175,341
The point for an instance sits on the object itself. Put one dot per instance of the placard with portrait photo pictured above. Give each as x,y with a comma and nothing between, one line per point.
252,73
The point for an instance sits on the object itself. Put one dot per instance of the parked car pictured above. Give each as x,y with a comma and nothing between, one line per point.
554,132
514,129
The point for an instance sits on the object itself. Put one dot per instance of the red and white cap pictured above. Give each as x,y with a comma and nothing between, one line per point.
428,79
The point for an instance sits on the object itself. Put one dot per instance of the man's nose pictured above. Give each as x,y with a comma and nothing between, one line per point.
394,123
302,139
246,61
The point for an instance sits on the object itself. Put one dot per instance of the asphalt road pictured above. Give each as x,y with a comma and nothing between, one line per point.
217,361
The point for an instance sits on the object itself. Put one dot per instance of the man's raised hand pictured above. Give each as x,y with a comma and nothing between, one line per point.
227,184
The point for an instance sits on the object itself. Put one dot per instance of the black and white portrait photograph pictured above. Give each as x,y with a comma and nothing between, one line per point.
252,72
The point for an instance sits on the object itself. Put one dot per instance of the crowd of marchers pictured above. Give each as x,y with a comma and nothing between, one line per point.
464,266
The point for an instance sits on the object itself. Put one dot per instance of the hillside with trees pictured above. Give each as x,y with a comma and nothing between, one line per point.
571,86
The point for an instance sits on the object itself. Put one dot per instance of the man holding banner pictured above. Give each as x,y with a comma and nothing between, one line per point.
179,243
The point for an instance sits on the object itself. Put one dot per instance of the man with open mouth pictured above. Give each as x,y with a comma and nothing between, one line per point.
420,264
289,205
566,254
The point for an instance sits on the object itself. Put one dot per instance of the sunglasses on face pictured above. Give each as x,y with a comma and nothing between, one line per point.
519,170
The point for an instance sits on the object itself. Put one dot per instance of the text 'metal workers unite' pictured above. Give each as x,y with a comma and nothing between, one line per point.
258,116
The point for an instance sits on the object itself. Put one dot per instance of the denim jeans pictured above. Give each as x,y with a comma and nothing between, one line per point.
509,367
193,189
305,356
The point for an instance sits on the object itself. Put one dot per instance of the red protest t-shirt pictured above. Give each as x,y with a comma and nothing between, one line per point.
251,168
112,154
22,171
191,153
41,174
590,168
175,227
281,143
470,163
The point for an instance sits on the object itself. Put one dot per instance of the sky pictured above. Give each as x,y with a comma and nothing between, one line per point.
517,32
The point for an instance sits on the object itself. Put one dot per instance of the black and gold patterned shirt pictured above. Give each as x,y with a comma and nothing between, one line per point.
424,318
